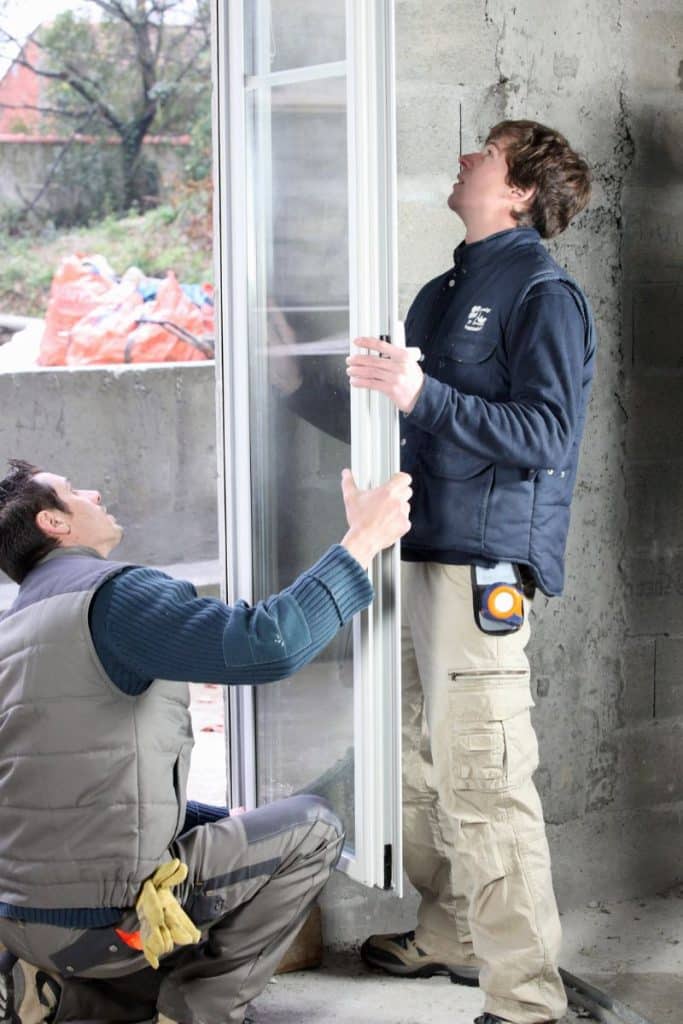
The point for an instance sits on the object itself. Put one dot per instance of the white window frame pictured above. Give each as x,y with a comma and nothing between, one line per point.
377,857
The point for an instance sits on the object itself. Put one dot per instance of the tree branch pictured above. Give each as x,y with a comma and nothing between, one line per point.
116,10
61,112
79,87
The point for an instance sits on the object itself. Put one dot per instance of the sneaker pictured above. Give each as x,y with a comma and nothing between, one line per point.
399,954
7,1014
26,992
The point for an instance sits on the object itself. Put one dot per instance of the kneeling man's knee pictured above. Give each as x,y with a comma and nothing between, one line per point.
316,808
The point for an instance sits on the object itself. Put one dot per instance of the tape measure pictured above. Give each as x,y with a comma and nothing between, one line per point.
498,598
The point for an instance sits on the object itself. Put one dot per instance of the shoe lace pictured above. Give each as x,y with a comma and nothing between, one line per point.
49,992
408,939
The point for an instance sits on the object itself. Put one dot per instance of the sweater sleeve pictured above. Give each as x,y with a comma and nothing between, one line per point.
546,345
147,626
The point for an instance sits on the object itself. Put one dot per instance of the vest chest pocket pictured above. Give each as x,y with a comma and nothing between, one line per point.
466,360
467,348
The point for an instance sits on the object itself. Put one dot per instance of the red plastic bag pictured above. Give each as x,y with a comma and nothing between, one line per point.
77,286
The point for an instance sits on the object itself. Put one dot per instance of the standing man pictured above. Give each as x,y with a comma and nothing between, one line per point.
493,393
95,742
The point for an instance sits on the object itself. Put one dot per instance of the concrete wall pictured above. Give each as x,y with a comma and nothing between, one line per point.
607,658
145,436
25,161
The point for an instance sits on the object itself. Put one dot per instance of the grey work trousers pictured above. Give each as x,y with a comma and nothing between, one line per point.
251,881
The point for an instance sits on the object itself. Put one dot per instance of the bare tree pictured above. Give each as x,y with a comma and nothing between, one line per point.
140,66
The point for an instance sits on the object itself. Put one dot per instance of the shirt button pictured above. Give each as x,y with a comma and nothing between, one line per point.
551,472
113,949
451,283
403,442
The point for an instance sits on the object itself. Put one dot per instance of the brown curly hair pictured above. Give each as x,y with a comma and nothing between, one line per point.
539,157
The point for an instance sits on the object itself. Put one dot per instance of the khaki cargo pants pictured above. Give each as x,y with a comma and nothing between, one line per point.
475,844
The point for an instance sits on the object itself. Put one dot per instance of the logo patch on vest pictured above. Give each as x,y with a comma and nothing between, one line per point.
477,317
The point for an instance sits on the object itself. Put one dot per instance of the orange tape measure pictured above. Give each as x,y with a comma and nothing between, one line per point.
498,598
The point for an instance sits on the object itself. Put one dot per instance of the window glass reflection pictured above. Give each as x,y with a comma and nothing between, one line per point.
284,34
299,327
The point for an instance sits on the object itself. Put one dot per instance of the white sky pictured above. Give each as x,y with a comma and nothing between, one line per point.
21,18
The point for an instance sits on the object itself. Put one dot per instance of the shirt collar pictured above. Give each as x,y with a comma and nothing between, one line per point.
468,256
76,550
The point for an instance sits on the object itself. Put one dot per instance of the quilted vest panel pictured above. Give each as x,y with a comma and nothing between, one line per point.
92,780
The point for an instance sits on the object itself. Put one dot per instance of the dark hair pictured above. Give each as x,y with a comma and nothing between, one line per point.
541,158
22,542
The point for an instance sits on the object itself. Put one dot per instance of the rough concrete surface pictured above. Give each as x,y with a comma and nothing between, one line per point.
143,435
632,950
344,991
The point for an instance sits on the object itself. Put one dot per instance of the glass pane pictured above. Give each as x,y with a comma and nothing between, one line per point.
284,34
298,305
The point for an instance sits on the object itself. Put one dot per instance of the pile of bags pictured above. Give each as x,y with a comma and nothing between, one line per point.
94,317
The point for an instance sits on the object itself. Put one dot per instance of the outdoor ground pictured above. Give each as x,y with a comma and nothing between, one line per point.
632,949
173,238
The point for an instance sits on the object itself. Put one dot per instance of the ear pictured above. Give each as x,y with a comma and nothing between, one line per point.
53,522
522,196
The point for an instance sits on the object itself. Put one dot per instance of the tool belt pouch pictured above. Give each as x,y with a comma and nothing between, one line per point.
498,598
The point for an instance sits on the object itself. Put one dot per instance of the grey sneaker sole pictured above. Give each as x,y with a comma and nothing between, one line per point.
392,965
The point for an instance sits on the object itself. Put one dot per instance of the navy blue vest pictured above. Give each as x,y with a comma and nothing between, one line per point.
465,504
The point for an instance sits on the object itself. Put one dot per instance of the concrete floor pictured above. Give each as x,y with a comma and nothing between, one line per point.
631,949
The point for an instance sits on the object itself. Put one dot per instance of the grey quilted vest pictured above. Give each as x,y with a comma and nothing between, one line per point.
92,781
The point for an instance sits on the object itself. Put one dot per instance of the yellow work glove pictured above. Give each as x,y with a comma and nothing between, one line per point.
163,922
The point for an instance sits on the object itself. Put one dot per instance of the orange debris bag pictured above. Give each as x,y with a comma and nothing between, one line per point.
94,318
102,334
78,284
158,338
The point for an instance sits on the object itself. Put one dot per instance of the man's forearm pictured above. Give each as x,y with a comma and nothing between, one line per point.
523,433
146,626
